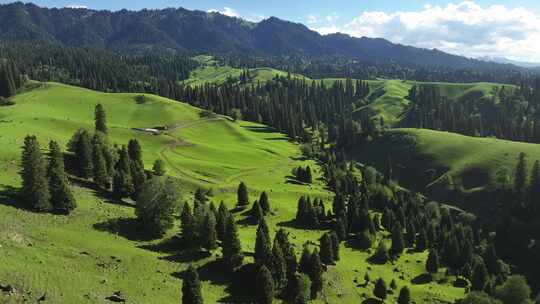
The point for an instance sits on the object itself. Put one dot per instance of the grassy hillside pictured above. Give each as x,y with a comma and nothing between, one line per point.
431,161
86,256
388,98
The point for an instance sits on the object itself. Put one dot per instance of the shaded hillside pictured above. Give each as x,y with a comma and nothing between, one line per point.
205,32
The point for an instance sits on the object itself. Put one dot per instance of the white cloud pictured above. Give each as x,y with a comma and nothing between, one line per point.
464,28
227,11
75,6
324,25
312,19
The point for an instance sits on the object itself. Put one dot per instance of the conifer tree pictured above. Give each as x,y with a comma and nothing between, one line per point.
432,262
221,220
256,212
315,274
308,176
209,235
262,244
99,164
479,276
288,252
491,260
231,247
340,229
398,244
159,168
135,151
327,252
83,155
242,196
188,226
100,118
421,241
191,287
301,210
123,180
265,203
35,186
305,261
300,289
200,196
278,266
62,198
156,205
520,178
534,188
404,296
264,286
380,290
335,245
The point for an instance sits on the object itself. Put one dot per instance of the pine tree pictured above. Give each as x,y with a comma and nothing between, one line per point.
62,198
432,262
191,287
380,290
479,276
221,220
300,289
135,151
534,188
209,235
256,212
398,244
123,180
335,245
308,177
404,296
491,260
520,178
100,174
35,186
100,118
159,168
278,266
265,203
327,252
200,197
421,241
188,227
301,210
315,274
262,244
305,261
231,247
83,155
242,195
264,286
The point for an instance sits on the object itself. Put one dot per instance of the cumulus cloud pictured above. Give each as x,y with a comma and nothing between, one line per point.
75,6
464,28
324,25
227,11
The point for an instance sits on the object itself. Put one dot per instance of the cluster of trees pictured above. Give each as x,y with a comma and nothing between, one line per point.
45,186
310,214
10,81
511,113
260,208
105,70
119,169
303,175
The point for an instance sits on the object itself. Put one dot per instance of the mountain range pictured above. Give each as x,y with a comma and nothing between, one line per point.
207,32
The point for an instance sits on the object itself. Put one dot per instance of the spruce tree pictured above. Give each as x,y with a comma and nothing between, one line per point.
305,260
315,274
100,119
242,196
479,276
398,244
159,168
191,287
256,212
404,296
278,266
308,176
231,247
100,174
301,210
335,245
265,203
327,252
209,235
135,151
264,289
35,186
534,188
62,198
188,226
221,220
432,262
123,181
83,155
262,244
380,290
520,177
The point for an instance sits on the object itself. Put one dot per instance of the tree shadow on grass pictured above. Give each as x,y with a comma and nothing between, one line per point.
128,228
106,196
9,196
372,301
422,279
187,256
260,129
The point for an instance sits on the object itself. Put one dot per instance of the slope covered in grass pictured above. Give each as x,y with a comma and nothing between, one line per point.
84,257
434,161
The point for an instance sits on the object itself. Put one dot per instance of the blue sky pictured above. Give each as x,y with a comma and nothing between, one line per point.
472,28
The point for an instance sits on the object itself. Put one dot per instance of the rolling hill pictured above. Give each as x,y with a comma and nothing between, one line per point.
86,256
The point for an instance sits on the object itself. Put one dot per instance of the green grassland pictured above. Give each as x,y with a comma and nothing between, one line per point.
84,257
442,162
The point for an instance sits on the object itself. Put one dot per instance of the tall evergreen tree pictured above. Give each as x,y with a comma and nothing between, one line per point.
242,195
335,245
404,296
432,262
231,247
278,266
398,243
534,188
221,220
35,186
123,180
62,198
100,118
191,287
305,260
327,252
380,290
188,226
265,203
257,214
83,154
99,163
479,276
264,286
262,244
520,177
209,235
315,274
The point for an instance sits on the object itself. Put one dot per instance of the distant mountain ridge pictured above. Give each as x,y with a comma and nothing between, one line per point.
205,32
503,60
